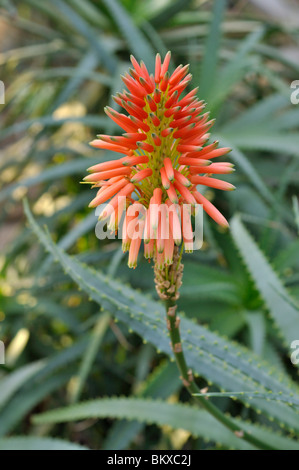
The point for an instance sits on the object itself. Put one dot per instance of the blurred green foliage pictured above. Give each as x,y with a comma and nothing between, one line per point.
60,61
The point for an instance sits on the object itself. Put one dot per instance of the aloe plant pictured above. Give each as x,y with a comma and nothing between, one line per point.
92,339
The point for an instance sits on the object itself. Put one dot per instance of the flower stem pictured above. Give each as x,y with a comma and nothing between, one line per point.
173,324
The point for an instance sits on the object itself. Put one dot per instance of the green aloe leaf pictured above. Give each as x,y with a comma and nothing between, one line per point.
50,174
235,69
230,366
136,40
80,25
10,384
198,422
20,396
162,382
95,121
208,66
281,306
15,411
37,443
285,143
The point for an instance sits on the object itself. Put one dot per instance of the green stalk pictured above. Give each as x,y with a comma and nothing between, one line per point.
173,324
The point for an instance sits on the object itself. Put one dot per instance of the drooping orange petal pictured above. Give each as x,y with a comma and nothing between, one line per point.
186,194
141,175
104,175
212,183
168,168
210,209
108,193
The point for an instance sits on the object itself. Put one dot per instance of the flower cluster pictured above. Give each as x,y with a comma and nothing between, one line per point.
166,155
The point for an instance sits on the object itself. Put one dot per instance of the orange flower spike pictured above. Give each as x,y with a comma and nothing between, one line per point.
165,155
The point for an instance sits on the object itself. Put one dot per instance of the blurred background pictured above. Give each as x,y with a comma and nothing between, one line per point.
60,62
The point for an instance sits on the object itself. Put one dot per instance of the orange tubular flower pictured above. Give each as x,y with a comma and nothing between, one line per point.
166,155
